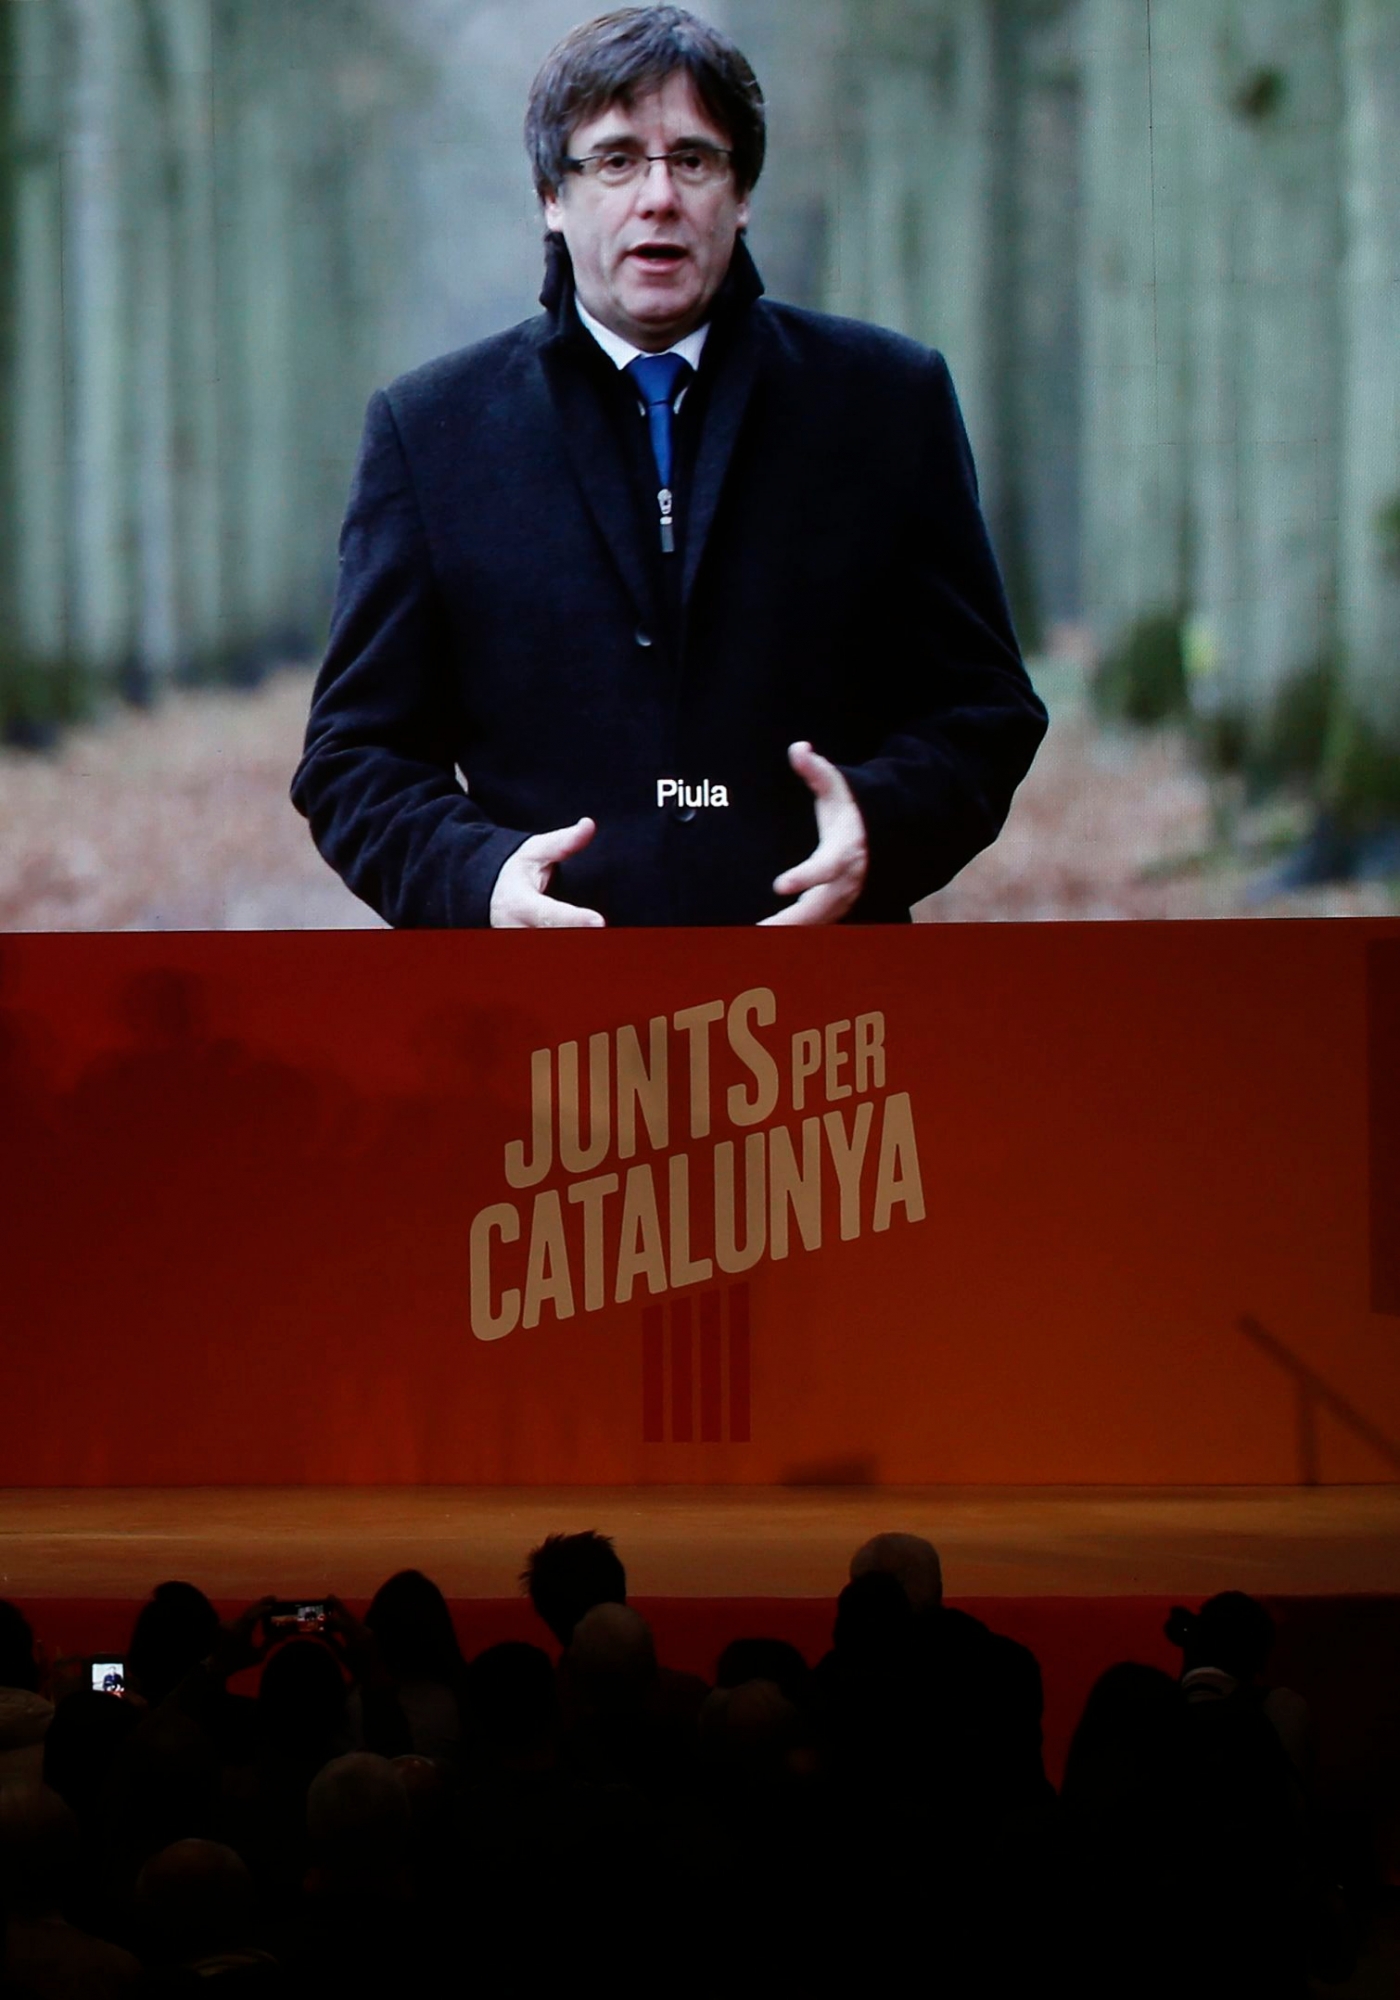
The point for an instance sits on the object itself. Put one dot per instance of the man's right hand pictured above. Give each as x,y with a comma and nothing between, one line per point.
520,899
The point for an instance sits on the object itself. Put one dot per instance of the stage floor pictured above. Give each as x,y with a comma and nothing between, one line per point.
706,1542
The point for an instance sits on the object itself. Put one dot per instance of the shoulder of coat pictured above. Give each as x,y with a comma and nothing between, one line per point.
858,340
487,366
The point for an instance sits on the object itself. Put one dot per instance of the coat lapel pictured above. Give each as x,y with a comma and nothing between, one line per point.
598,466
729,399
724,418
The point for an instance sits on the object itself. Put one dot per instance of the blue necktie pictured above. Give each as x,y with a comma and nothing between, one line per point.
659,379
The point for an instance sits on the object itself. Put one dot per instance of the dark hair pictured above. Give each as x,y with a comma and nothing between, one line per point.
1230,1631
413,1628
301,1699
18,1666
1127,1736
514,1699
874,1620
172,1634
82,1744
624,55
568,1574
776,1660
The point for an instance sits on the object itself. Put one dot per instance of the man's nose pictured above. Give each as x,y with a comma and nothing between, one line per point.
657,188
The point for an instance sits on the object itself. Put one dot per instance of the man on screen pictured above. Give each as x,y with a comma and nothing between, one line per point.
691,588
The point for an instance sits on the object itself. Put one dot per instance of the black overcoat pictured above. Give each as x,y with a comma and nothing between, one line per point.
510,651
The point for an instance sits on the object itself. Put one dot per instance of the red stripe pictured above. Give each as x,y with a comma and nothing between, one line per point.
682,1372
738,1364
653,1395
711,1429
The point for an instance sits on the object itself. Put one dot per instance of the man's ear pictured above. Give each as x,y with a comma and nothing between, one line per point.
553,211
743,213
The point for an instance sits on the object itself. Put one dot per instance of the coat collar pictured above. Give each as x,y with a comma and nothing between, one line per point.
731,352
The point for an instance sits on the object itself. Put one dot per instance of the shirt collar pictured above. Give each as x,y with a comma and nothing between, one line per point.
621,353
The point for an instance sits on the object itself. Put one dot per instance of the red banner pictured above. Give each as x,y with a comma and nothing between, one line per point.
951,1204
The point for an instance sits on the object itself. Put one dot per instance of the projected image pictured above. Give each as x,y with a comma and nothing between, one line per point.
681,601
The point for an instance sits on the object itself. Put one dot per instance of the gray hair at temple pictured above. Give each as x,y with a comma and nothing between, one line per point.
622,56
910,1560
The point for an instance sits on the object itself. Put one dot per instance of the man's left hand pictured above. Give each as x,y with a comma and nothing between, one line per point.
828,882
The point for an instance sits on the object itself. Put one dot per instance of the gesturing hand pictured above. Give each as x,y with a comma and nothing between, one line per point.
520,900
833,875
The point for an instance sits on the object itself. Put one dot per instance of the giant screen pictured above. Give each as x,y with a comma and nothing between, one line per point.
1160,261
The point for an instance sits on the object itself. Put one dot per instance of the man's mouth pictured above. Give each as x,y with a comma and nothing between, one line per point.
660,254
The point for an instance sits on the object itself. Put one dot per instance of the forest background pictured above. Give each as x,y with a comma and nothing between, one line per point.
1158,241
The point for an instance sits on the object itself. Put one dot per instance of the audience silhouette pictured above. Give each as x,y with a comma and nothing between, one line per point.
387,1817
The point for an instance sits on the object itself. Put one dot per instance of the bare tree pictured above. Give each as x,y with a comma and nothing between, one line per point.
1134,467
1366,753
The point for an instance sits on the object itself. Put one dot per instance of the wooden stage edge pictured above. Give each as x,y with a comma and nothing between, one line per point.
703,1542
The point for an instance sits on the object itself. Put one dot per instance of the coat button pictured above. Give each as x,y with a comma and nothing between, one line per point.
643,638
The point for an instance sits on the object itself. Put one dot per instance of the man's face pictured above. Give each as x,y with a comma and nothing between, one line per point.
648,257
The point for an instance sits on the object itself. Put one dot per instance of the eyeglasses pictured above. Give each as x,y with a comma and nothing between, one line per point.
691,166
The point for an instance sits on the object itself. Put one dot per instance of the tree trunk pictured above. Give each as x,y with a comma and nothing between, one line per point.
39,375
1207,145
1283,92
35,610
1046,364
256,320
151,172
1370,503
1134,476
99,223
187,30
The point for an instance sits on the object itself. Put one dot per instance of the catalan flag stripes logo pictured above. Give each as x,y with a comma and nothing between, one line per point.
696,1368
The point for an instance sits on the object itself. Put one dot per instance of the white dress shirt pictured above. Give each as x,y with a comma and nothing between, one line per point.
621,352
